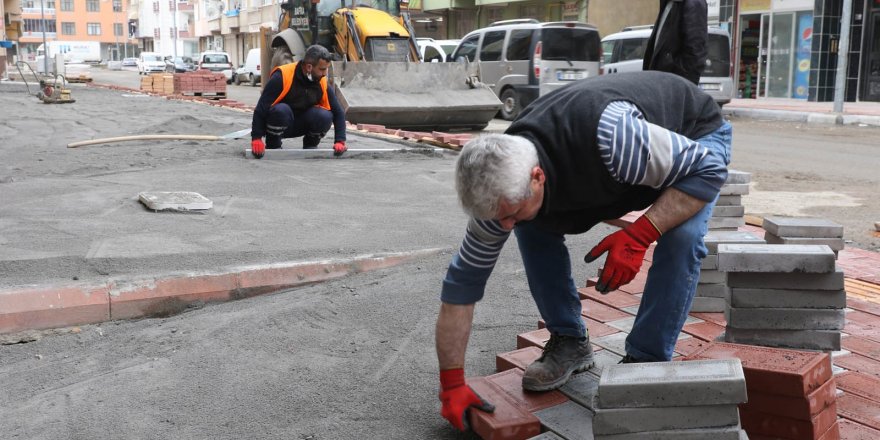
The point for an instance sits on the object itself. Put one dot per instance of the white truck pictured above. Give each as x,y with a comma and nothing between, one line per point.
72,51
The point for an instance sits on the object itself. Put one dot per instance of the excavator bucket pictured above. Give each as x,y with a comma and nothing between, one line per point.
414,96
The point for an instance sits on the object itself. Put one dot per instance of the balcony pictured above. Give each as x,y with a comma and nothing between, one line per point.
229,25
185,6
35,12
214,25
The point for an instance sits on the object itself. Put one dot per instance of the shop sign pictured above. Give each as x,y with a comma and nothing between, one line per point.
714,8
754,5
570,9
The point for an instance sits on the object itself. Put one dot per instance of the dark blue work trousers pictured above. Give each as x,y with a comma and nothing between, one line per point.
311,124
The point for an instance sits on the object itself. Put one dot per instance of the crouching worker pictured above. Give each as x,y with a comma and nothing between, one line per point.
297,101
591,151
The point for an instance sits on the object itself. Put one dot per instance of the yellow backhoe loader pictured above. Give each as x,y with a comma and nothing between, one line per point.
378,76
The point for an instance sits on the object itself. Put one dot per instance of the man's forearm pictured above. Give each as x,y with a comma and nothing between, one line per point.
673,208
452,333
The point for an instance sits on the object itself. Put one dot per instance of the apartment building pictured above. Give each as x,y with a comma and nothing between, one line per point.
165,26
103,21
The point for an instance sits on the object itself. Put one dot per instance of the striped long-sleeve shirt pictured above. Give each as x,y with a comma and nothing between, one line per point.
634,151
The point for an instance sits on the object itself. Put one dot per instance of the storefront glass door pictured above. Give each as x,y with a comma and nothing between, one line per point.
781,59
872,60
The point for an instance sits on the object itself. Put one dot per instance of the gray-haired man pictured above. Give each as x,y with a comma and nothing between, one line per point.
594,150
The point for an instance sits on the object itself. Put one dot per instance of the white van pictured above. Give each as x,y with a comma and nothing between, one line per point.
524,58
436,51
624,51
149,62
249,71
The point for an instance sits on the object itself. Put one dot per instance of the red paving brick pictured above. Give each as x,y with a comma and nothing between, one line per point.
600,312
859,409
511,382
866,330
862,346
859,384
509,421
801,408
706,331
534,338
758,424
864,306
855,362
850,430
774,370
517,359
860,264
616,298
687,346
717,318
862,318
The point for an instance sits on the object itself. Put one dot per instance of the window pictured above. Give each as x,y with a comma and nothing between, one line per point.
493,43
117,29
431,54
93,6
632,49
468,48
67,5
93,28
519,46
68,28
570,44
117,5
37,25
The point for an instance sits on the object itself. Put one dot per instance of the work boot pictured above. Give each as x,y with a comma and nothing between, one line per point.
311,141
562,357
630,360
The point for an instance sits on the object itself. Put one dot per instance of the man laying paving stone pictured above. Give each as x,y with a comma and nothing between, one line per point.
592,151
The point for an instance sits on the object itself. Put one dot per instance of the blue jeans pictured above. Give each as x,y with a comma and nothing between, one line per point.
669,291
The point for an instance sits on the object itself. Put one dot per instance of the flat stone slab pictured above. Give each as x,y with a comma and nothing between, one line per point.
824,340
615,342
710,262
582,388
549,435
627,420
728,211
802,227
603,359
175,200
836,244
668,384
708,304
729,200
569,420
734,189
726,433
735,176
780,258
714,290
779,298
726,222
715,238
785,319
796,281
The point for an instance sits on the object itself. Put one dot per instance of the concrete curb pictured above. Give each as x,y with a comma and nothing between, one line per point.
803,117
53,306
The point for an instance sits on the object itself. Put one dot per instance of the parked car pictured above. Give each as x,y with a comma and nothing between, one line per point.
216,62
524,58
436,51
179,64
250,70
129,62
150,62
624,51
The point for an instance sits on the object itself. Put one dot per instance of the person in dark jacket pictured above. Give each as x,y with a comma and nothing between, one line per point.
678,40
591,151
298,101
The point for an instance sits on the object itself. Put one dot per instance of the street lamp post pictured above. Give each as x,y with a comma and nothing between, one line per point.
45,46
174,31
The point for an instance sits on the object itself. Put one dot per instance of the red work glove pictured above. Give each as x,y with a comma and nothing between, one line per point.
626,251
258,148
339,148
456,398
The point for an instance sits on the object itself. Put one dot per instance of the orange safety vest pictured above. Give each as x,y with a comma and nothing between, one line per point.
287,74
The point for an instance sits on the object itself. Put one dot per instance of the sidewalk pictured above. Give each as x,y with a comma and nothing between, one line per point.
796,110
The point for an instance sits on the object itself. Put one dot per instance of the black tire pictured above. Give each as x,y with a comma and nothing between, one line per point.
510,106
236,79
253,80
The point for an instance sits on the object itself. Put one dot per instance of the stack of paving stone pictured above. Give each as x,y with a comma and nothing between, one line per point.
712,290
670,400
783,295
729,211
794,230
792,394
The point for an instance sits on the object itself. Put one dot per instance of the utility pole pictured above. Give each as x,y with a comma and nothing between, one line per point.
842,57
174,33
45,45
113,5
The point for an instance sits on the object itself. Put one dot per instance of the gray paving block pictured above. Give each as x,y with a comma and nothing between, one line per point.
728,211
802,227
783,258
633,310
615,342
728,201
569,420
175,201
712,277
582,389
799,281
726,433
779,298
785,319
836,244
624,420
708,304
549,435
714,238
734,189
624,324
824,340
665,384
726,222
735,176
715,290
710,262
602,359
